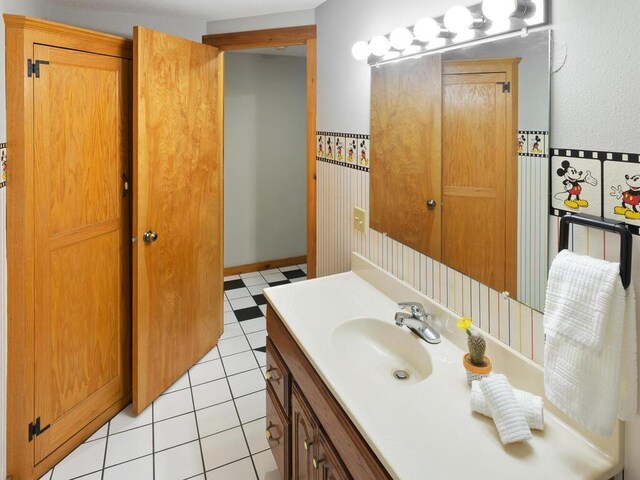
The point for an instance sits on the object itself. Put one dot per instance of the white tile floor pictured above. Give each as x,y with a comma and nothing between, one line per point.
209,425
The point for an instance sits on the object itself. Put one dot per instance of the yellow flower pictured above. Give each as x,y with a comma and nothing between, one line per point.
464,323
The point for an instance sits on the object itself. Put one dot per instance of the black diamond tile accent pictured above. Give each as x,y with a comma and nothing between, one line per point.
261,349
248,313
294,274
282,282
233,284
260,300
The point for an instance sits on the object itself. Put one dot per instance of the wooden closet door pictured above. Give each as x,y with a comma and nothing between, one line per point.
474,174
82,240
178,279
406,106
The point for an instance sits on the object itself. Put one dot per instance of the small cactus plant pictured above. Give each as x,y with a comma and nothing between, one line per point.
475,342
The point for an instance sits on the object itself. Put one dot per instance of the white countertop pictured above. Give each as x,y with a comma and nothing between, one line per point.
425,429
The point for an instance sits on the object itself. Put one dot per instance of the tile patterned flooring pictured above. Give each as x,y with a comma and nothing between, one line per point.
209,425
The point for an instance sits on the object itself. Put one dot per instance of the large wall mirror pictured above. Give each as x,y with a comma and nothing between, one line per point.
459,160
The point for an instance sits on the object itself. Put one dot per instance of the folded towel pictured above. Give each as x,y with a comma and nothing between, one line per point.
590,349
507,414
579,298
531,405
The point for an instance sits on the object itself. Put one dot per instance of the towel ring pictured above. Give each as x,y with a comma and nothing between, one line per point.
626,239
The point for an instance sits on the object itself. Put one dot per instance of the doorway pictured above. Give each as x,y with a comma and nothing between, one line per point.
245,52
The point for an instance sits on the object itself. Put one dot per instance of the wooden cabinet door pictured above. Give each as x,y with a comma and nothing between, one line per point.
82,240
277,431
328,463
477,173
177,276
303,438
406,152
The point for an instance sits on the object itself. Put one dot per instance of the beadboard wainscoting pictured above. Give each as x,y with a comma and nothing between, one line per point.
340,188
533,222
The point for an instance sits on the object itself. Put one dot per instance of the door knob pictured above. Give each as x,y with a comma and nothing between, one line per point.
431,204
150,236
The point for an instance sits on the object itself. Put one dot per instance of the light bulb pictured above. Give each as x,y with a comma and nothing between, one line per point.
459,18
401,38
360,50
411,50
391,55
379,45
499,26
502,9
426,29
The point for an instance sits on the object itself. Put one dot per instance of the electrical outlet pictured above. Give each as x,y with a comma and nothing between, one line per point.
359,219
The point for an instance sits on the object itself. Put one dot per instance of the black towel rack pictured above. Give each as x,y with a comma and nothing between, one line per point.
626,239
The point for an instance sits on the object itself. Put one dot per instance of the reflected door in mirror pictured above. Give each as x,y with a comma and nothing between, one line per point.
479,170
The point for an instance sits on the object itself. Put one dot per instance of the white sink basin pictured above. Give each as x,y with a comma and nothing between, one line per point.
380,349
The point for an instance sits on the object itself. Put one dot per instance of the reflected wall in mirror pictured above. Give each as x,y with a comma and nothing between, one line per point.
459,166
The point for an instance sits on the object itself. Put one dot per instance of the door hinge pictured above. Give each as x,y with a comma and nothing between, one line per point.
506,86
35,429
33,67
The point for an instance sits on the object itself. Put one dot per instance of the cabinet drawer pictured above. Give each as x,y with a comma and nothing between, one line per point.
278,376
277,433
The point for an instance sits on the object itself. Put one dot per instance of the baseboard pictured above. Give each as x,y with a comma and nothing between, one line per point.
254,267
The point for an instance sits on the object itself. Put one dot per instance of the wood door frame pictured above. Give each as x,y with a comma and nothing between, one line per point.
276,37
509,66
22,33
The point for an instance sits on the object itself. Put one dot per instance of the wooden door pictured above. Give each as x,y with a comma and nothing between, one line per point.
479,204
177,279
303,438
82,240
406,104
328,463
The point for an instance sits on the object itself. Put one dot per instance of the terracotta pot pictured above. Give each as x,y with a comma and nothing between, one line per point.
473,371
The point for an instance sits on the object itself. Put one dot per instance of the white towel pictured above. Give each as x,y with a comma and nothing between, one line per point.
507,414
532,405
590,348
579,298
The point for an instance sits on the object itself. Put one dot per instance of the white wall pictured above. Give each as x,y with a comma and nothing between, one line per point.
265,158
261,22
594,95
122,24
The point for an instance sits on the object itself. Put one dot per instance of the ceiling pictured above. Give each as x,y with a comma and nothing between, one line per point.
209,9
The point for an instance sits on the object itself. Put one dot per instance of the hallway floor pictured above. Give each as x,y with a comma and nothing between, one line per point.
209,425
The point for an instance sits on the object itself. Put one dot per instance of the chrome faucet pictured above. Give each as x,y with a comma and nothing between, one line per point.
417,321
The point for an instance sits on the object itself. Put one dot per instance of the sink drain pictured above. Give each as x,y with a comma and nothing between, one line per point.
401,374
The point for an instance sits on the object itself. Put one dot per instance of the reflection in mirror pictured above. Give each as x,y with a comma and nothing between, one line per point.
459,165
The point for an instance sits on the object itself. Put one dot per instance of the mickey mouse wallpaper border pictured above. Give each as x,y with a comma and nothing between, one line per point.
605,184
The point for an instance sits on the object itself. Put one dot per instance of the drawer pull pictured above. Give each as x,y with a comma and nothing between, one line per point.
270,436
307,445
270,376
316,463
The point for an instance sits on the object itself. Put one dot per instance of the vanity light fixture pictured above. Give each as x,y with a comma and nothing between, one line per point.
427,29
459,26
458,19
361,50
379,45
401,38
497,10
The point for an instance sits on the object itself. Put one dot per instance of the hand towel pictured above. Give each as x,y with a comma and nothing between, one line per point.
531,405
507,414
590,352
579,298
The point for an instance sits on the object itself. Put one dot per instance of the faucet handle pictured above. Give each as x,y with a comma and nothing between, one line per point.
417,309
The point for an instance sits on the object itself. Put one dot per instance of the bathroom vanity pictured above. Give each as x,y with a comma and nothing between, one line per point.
335,410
